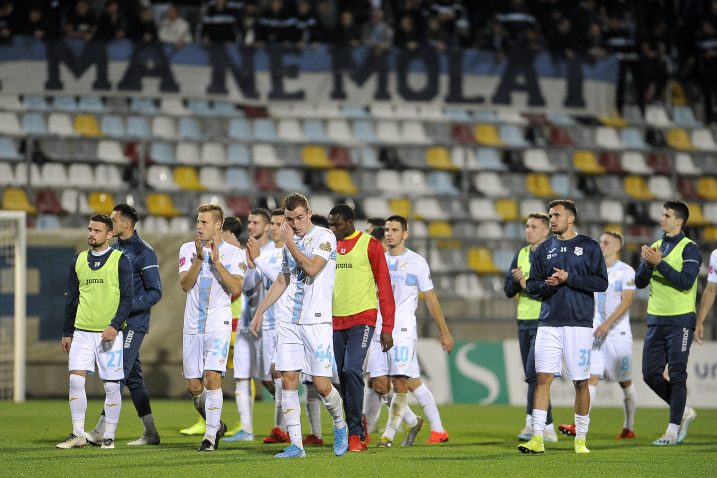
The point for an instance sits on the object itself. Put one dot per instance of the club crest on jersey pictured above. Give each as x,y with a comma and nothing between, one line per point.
325,246
242,266
578,251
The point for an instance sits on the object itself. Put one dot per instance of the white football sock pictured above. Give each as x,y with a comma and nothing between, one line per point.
78,404
672,429
113,406
398,404
213,410
592,389
291,410
335,406
539,417
408,416
630,403
278,416
371,408
428,404
313,409
582,423
199,403
528,420
244,404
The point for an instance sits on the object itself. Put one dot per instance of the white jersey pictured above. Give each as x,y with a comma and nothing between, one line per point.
253,293
410,275
620,277
712,270
308,300
269,264
207,308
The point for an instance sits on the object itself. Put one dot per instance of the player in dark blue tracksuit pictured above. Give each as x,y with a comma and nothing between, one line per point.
147,292
670,267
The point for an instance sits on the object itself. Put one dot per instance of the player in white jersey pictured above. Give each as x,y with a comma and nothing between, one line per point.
248,353
211,272
304,330
708,298
611,357
410,275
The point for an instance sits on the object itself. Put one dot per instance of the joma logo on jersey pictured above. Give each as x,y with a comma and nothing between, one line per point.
94,281
344,266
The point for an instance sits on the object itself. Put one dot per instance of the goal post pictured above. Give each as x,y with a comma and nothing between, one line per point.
13,263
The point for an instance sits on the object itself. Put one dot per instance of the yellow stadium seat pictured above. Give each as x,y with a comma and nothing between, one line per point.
707,187
102,202
481,261
586,162
636,188
186,178
507,208
15,199
487,134
86,125
678,138
710,233
538,185
161,205
440,229
402,207
613,121
315,157
614,228
678,94
439,158
339,181
697,218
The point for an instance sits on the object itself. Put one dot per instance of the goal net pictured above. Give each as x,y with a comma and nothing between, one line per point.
13,262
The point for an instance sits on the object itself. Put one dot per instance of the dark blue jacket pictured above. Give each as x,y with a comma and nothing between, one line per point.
72,293
570,304
691,262
147,285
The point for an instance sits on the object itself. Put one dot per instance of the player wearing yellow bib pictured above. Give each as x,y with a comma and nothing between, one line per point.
98,300
670,267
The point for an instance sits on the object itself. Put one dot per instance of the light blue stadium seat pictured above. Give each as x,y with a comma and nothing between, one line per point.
483,116
143,105
265,130
441,183
457,115
512,135
489,158
314,130
199,107
560,119
238,179
138,127
91,104
367,158
34,123
64,103
112,125
189,129
226,108
684,116
290,180
632,138
239,129
513,231
47,221
239,154
363,131
560,183
354,112
8,150
162,153
36,103
502,258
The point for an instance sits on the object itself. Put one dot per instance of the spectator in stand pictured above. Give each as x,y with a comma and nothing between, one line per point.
219,23
407,37
594,42
437,36
377,34
347,34
34,25
450,14
145,30
305,24
494,39
173,28
112,24
7,25
327,19
707,67
81,22
276,23
563,42
653,54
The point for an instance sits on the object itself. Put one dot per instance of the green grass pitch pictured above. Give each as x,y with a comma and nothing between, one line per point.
483,442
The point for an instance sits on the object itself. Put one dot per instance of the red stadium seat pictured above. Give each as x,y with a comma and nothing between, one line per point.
461,133
559,137
687,188
659,163
340,158
239,205
611,163
47,202
265,180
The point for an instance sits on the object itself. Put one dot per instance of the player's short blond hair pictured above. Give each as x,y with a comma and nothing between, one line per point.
294,200
216,211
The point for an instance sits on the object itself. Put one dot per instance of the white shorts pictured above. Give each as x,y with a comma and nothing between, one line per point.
307,348
613,360
202,352
571,344
88,349
246,348
397,362
267,354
